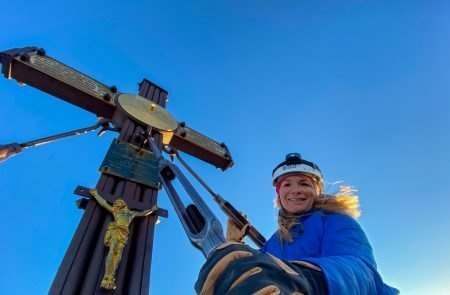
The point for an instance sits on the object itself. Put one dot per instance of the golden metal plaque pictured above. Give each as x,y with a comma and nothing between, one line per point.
147,112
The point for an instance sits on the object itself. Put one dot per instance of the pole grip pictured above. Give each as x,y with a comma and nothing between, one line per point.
241,221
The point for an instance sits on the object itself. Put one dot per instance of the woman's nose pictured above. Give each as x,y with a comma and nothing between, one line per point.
295,191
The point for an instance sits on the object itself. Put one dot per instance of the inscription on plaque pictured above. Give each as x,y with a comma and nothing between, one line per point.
131,162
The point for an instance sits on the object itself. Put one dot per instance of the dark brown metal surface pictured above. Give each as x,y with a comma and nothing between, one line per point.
53,77
198,145
31,66
83,265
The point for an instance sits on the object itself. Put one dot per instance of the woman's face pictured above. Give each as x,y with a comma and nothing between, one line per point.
297,193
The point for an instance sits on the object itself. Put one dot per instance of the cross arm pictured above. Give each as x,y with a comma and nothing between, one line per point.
31,66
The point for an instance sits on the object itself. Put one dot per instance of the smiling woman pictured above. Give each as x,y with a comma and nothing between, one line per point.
319,245
320,230
297,193
299,187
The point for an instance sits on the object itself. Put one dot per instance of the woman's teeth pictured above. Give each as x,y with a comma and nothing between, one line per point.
296,199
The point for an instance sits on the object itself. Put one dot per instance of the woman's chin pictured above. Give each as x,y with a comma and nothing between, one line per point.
298,209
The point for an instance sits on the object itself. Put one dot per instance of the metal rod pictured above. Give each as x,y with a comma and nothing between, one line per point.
51,138
9,150
227,208
199,222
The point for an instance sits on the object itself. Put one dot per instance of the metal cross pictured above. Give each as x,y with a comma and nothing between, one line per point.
136,117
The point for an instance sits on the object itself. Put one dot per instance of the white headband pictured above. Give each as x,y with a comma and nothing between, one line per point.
293,168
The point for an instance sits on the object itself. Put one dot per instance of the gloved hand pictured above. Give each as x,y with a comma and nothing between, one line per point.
234,234
9,150
235,268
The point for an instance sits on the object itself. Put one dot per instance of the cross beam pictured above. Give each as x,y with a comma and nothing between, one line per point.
83,264
31,66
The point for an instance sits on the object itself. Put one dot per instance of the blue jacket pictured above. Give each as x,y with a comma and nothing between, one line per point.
338,245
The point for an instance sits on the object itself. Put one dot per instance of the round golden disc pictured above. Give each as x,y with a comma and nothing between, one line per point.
147,112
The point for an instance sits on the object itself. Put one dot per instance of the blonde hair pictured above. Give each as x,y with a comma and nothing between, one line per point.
344,201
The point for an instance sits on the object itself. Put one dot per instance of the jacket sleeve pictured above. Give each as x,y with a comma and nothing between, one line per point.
347,259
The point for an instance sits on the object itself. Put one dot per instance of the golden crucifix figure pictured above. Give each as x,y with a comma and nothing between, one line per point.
116,236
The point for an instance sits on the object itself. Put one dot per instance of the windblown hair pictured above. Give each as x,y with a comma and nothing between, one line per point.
344,201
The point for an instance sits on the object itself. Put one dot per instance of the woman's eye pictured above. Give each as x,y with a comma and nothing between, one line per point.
304,184
286,184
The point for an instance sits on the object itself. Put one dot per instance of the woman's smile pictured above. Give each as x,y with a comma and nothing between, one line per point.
297,193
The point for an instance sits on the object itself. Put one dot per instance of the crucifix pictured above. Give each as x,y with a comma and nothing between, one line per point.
128,172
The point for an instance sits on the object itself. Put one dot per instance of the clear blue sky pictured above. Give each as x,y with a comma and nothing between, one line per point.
360,87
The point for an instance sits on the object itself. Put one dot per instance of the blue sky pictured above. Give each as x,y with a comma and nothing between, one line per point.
359,87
